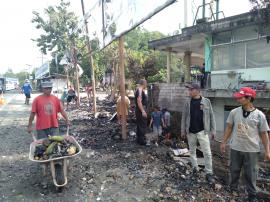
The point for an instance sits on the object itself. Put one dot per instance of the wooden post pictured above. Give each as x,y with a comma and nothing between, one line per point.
77,73
122,86
187,63
67,75
90,58
169,62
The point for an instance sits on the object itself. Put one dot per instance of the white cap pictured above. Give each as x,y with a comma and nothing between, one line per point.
26,81
46,84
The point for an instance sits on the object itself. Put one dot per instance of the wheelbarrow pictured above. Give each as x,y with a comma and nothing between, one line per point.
58,165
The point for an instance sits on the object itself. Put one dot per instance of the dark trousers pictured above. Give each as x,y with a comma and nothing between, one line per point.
141,127
41,134
249,161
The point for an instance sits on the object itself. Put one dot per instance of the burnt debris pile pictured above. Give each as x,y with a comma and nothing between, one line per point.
113,170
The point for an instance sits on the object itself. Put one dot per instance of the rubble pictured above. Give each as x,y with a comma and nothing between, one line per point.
218,187
117,170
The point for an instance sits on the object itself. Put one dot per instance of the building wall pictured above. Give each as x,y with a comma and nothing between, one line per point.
174,96
220,114
241,54
196,61
233,80
59,85
171,96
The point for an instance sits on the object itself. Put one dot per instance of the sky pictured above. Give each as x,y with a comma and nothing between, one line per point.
19,52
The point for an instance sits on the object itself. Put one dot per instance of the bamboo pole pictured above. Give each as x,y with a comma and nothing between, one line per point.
77,74
90,58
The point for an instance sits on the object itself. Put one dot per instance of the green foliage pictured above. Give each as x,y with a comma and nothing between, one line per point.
58,26
257,4
22,75
106,60
159,77
141,61
137,39
60,35
177,69
9,73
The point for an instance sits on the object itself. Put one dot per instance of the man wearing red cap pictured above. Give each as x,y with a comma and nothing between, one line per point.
246,126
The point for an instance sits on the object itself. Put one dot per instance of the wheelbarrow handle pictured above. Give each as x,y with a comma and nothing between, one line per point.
34,137
67,130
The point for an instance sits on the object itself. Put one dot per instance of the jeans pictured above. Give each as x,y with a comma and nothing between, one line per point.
205,147
157,130
41,134
249,161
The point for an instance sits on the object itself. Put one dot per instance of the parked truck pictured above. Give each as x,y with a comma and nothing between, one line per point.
7,83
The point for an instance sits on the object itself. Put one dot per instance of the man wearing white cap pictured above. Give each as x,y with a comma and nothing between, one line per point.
46,108
27,89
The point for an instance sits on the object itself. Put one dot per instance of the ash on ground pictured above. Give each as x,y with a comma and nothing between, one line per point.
111,169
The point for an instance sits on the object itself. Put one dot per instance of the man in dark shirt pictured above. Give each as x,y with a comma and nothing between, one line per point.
197,123
141,115
196,115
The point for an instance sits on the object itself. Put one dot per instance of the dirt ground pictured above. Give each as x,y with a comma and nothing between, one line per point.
108,169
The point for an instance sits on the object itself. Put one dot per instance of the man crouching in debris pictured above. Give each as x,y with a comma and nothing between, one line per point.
197,123
46,108
246,125
141,115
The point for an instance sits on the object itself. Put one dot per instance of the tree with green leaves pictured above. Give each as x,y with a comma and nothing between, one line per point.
9,73
143,62
59,27
257,4
22,75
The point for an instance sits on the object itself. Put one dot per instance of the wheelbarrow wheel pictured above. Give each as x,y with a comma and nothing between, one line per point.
59,189
59,174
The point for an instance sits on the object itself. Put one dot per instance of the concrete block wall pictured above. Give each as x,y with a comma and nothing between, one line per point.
171,96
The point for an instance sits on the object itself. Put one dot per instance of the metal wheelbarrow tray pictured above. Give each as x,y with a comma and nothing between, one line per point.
59,164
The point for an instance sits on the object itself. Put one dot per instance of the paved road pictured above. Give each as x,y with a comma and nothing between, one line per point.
14,144
20,179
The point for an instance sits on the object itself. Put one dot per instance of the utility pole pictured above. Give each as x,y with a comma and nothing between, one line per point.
185,13
90,58
217,9
203,11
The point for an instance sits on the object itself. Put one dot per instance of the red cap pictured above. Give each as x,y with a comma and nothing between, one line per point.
246,91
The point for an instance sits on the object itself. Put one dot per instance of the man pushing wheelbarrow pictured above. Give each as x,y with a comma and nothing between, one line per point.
45,108
48,148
